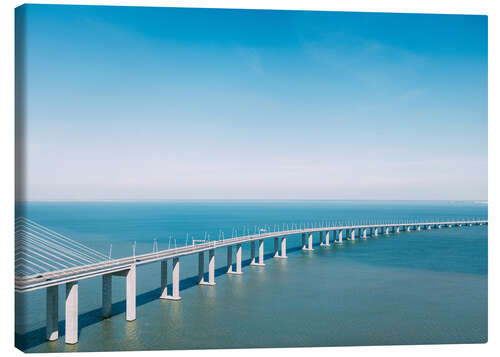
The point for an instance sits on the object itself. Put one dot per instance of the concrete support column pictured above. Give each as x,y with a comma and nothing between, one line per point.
276,248
418,228
131,288
201,267
408,228
326,241
386,230
320,238
303,241
429,227
397,229
238,259
375,231
351,234
310,242
163,279
252,252
229,259
363,234
51,330
261,253
106,295
283,248
211,267
175,279
71,312
339,239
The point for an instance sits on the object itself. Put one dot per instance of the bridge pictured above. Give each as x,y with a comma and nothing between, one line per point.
45,259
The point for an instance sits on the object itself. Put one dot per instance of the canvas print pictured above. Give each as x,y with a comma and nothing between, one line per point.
191,178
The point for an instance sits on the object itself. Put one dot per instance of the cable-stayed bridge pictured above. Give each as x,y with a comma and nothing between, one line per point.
47,259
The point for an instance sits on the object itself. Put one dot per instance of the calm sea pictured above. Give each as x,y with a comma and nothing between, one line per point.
409,288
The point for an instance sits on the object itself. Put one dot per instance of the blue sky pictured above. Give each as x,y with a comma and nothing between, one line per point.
168,103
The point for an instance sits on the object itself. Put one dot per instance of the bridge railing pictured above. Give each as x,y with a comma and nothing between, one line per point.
82,255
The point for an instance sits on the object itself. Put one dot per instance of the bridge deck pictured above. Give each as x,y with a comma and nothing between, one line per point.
38,281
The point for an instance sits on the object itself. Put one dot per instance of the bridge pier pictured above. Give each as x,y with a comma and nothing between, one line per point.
252,252
51,330
201,267
418,228
363,233
408,228
71,306
175,280
238,258
163,279
230,260
309,242
261,253
131,289
386,231
211,268
303,241
326,241
276,248
106,295
339,239
375,231
397,229
321,239
283,248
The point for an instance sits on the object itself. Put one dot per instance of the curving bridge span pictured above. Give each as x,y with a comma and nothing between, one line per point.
46,259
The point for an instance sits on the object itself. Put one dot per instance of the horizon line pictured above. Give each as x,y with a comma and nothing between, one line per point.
483,201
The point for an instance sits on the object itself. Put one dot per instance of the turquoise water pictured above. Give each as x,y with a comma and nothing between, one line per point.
409,288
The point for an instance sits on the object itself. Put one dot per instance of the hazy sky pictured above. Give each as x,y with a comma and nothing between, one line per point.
131,103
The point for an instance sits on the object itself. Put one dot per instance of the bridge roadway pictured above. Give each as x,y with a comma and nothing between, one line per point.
126,267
